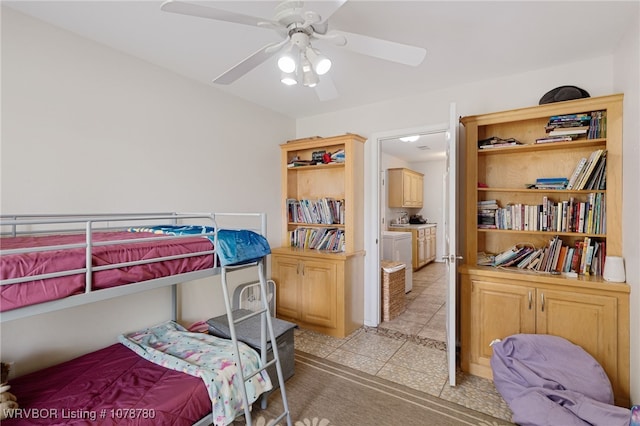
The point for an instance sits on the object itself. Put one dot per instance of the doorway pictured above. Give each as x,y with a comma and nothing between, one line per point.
376,225
423,152
397,155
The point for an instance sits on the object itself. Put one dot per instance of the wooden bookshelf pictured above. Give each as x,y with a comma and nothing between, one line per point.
498,302
322,290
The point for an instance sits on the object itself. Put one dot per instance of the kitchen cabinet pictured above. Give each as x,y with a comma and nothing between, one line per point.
423,243
406,188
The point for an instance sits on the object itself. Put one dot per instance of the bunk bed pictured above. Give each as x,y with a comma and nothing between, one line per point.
50,263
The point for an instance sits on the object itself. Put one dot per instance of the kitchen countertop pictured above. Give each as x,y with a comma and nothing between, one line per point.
412,226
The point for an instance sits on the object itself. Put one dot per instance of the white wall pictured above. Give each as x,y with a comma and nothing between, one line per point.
627,80
595,75
88,129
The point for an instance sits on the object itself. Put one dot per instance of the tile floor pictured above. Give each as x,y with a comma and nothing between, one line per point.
410,349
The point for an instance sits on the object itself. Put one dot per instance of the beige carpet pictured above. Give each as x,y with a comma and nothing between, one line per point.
322,393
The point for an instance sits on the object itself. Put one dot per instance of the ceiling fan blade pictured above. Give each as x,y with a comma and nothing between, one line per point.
247,64
325,89
192,9
325,9
378,48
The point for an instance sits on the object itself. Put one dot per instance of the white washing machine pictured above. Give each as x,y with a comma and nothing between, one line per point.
396,246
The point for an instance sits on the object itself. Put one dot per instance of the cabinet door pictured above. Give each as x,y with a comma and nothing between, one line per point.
407,190
396,195
284,271
417,190
319,293
415,249
432,245
422,250
587,320
498,311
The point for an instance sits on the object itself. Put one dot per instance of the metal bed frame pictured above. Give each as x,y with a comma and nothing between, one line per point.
15,225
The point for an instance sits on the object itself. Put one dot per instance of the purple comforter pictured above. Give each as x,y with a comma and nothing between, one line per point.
547,380
109,387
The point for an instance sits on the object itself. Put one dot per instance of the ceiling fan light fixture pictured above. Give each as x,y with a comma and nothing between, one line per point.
310,79
309,76
321,64
288,61
288,78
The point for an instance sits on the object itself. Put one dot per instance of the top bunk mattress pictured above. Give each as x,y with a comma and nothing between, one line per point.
14,296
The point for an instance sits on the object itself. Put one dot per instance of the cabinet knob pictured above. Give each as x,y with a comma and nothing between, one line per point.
542,302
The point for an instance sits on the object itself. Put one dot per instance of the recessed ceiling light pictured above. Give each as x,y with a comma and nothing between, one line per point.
412,138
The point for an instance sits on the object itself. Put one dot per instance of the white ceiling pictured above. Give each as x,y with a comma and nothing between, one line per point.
428,147
465,41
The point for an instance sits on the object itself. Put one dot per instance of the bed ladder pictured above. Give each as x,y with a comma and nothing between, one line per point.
266,325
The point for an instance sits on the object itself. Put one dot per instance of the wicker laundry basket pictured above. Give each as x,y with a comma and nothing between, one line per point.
393,298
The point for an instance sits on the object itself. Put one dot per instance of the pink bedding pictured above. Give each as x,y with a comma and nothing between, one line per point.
17,265
111,386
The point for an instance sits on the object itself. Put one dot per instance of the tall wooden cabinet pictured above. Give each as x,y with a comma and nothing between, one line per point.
498,302
322,289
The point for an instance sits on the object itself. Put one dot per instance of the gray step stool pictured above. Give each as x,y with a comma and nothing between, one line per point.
249,332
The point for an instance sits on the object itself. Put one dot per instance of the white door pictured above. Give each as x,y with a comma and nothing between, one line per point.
450,250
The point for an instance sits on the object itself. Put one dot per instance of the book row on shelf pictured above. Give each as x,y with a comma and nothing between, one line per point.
587,217
326,239
590,173
560,128
326,211
586,257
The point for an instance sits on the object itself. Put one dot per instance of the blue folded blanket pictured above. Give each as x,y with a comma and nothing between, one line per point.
235,246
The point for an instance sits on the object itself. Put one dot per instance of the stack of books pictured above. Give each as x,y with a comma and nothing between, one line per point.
551,183
496,142
566,127
487,214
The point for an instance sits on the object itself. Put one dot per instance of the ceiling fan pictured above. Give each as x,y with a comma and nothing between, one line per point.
300,62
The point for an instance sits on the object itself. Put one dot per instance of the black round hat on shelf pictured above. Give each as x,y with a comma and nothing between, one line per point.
563,93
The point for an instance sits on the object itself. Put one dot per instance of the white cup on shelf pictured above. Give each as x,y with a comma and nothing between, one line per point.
614,269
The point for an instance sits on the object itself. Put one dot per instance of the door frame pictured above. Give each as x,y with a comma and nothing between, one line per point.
372,293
